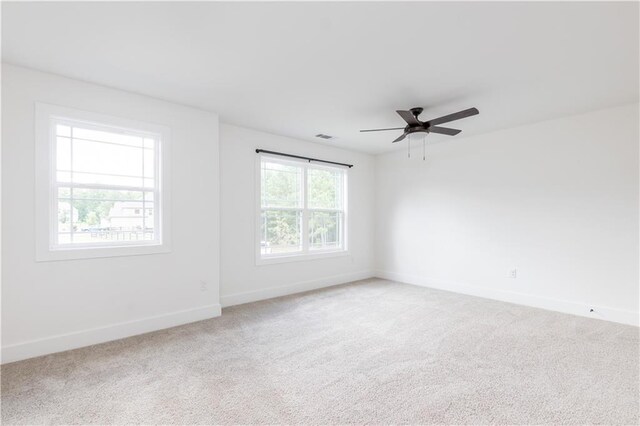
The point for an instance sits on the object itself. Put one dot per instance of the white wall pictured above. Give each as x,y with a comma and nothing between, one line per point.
241,279
558,200
52,306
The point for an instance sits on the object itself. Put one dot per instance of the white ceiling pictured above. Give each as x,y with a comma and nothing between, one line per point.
298,69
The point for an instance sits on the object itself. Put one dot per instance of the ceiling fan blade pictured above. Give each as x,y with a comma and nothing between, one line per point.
455,116
444,130
400,138
409,118
382,130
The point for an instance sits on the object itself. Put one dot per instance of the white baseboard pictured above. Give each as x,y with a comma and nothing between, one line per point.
270,293
599,312
79,339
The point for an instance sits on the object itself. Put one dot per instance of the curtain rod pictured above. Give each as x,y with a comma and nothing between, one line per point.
258,151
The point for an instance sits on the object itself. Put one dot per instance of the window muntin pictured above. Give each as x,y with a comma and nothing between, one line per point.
302,208
100,176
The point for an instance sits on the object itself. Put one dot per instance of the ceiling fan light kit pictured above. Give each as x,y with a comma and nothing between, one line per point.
414,125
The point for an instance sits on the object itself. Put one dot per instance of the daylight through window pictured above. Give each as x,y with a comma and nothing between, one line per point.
302,208
105,186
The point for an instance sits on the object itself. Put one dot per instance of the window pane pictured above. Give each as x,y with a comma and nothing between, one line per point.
63,154
62,130
64,238
104,179
64,216
126,221
131,230
105,136
281,185
281,232
325,188
109,221
102,158
101,215
325,230
149,160
63,176
100,194
149,213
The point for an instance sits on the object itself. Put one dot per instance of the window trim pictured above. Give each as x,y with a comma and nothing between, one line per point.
307,254
45,167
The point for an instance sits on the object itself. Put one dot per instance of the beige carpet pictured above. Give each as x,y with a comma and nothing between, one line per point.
368,352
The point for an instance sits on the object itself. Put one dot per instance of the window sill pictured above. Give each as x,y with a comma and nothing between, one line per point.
98,252
261,261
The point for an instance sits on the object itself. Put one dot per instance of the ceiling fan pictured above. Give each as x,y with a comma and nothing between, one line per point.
415,126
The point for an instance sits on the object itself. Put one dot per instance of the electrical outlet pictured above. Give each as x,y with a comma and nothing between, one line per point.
513,273
203,286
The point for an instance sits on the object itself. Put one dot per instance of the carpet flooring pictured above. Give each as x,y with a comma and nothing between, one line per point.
372,352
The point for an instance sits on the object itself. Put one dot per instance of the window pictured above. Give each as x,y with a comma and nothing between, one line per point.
302,209
100,174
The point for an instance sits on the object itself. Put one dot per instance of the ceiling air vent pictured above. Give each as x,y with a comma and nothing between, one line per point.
323,136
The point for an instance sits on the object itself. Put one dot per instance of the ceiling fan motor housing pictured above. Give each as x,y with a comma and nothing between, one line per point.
415,128
416,111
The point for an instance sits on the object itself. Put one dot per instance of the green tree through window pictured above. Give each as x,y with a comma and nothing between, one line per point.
285,214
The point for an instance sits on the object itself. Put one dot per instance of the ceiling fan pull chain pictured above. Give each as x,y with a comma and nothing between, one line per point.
424,156
409,146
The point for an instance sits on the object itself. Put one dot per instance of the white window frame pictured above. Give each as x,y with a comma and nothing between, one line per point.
47,249
306,253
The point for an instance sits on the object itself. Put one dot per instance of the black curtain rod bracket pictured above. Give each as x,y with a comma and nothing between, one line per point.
258,151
